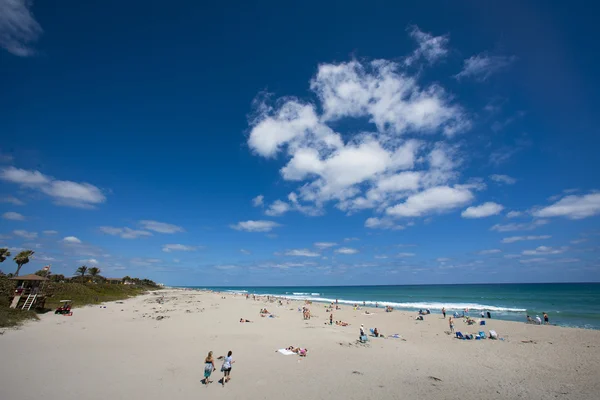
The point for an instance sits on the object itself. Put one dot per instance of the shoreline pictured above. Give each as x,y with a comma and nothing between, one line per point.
149,347
407,310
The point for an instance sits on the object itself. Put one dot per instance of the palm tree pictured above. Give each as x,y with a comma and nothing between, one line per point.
81,271
22,258
4,254
93,272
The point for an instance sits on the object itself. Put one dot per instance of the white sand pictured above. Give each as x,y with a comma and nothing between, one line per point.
118,353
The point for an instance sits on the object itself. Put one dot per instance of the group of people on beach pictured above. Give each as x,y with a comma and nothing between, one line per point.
538,320
209,367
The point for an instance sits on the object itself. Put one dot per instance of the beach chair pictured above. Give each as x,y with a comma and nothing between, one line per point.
459,335
482,334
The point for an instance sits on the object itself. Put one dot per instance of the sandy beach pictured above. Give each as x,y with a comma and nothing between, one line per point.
127,350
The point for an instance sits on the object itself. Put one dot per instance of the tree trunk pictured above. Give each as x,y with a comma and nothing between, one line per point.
18,269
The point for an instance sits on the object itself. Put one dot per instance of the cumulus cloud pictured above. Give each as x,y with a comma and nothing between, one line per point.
503,179
364,169
71,239
382,223
91,261
18,27
167,248
527,226
545,250
65,193
277,208
513,214
490,251
160,227
301,253
432,200
125,232
258,200
12,200
430,48
514,239
482,66
25,234
346,250
13,216
572,207
484,210
324,245
255,226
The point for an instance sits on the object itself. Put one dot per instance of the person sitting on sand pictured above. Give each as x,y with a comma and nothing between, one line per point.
362,330
530,320
367,312
419,318
376,332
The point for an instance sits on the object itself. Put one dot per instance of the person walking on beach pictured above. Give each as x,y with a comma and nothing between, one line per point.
226,368
331,319
444,312
451,323
209,366
546,319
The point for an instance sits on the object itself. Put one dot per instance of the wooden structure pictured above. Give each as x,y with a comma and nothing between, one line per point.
114,280
29,292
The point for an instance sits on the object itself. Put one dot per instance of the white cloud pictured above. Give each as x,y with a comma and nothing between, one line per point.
50,232
255,226
482,66
277,208
442,259
382,223
527,226
25,234
572,207
11,199
578,241
485,210
532,260
363,170
301,253
490,251
503,179
13,216
405,255
381,257
258,200
513,214
160,227
92,261
71,239
167,248
432,200
544,250
125,232
66,193
351,239
431,48
324,245
346,250
18,27
246,252
514,239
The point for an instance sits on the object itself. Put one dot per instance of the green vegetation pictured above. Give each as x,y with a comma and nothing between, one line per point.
93,289
22,258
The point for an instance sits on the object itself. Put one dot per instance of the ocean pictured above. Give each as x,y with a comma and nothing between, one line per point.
567,304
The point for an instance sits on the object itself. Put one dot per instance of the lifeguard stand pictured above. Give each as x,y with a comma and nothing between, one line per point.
29,292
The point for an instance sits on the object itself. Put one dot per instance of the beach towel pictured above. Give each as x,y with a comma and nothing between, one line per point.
395,336
459,335
286,352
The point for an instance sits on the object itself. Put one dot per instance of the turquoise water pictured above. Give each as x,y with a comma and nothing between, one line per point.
567,304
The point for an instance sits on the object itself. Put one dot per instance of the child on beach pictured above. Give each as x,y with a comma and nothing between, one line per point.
209,366
546,319
451,323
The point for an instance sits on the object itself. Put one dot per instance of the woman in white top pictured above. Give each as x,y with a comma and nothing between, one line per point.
227,367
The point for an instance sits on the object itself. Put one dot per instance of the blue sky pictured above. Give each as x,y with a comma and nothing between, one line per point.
307,144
